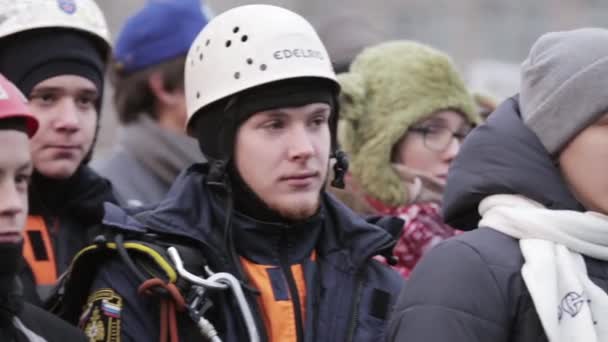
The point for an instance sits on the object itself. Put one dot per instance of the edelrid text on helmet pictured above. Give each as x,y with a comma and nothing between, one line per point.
298,53
249,46
83,15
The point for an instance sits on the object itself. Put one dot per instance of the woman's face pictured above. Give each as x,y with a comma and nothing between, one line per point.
430,145
584,165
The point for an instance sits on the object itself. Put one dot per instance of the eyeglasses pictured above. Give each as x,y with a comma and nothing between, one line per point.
438,138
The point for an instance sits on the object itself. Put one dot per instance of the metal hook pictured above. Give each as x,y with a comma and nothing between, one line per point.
179,265
220,281
235,286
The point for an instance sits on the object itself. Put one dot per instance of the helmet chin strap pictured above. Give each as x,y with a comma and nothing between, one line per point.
217,175
340,168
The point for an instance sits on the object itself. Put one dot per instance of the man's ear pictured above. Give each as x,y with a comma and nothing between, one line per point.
156,82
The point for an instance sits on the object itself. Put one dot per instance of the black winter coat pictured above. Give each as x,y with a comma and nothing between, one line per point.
470,288
36,322
72,210
349,294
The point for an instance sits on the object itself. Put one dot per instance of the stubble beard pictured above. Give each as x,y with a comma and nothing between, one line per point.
299,211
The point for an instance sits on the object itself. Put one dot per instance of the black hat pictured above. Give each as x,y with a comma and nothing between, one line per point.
31,57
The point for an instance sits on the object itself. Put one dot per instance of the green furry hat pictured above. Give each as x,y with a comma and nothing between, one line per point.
390,87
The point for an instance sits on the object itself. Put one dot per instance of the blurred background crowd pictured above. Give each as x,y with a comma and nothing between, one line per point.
486,39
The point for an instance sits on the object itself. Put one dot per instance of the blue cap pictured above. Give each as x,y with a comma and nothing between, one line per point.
162,30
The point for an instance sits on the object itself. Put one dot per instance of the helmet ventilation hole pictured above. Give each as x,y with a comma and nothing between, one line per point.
244,38
207,42
263,67
249,61
235,29
237,75
228,43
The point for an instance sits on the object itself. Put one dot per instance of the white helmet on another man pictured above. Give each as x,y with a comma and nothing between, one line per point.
249,46
83,15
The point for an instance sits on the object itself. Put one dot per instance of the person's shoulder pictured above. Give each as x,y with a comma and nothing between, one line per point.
48,326
116,164
385,276
463,279
480,263
133,183
496,249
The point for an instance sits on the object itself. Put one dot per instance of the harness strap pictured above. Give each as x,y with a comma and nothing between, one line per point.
168,306
38,251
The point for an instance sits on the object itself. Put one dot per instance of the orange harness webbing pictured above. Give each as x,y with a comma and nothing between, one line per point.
38,251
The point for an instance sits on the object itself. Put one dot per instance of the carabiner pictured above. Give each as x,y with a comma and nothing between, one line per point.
235,286
179,265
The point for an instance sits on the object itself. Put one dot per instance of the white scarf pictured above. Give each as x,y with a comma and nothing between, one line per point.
570,306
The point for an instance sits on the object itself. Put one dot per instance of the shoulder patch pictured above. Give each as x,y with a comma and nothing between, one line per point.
100,319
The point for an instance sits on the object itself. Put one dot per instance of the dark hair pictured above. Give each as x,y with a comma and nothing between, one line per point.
132,94
216,124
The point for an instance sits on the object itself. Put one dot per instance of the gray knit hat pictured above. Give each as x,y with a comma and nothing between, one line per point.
564,84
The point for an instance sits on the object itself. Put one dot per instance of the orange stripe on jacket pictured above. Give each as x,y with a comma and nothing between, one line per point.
41,261
278,314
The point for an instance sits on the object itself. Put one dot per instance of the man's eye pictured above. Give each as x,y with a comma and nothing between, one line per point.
274,125
44,98
319,121
86,100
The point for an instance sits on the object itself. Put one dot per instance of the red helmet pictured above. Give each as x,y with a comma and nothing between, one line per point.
14,105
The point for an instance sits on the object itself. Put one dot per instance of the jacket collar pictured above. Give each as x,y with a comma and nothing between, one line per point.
502,156
190,210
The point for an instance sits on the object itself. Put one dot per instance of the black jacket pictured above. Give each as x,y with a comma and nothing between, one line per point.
71,209
23,322
33,321
470,288
349,295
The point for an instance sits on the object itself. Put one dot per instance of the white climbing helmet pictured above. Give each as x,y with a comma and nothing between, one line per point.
249,46
83,15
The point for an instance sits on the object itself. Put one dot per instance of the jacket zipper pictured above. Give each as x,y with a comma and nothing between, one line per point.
293,289
217,259
354,315
253,303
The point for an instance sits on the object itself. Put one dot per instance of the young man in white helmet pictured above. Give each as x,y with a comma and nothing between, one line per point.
19,321
261,97
55,52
